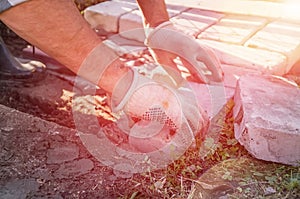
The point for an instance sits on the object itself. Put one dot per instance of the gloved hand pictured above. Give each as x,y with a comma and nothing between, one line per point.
166,43
157,110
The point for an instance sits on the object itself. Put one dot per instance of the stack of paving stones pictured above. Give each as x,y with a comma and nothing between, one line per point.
249,38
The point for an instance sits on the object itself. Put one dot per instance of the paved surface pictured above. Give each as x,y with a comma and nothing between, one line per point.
255,39
40,159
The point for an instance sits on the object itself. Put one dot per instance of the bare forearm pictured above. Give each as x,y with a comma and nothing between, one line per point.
56,27
154,12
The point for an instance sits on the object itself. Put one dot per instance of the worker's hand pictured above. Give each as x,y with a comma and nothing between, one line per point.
157,109
166,43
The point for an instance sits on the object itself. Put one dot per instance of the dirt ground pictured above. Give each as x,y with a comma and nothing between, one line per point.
40,159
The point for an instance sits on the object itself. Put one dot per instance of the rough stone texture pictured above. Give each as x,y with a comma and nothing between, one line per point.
267,112
19,188
234,29
62,152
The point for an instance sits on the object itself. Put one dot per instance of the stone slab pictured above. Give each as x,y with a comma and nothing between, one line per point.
60,153
267,112
279,36
193,21
19,188
235,29
122,16
106,15
131,24
252,58
75,168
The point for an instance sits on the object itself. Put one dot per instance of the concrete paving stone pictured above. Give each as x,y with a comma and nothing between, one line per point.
131,24
18,188
26,174
269,9
106,15
235,29
279,36
267,112
252,58
122,16
193,21
74,168
62,152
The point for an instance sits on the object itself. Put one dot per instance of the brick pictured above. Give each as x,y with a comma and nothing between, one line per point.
193,21
62,152
267,112
279,36
106,15
234,29
74,168
246,57
131,24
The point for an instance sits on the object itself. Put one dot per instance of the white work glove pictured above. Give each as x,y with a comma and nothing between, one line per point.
166,43
156,110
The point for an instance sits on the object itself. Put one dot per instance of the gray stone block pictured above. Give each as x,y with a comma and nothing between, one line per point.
267,118
106,15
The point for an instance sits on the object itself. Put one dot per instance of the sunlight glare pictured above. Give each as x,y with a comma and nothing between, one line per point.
292,9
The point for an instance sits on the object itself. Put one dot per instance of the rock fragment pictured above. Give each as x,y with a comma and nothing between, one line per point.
267,118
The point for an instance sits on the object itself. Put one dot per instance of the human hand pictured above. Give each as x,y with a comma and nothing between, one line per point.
166,43
157,111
